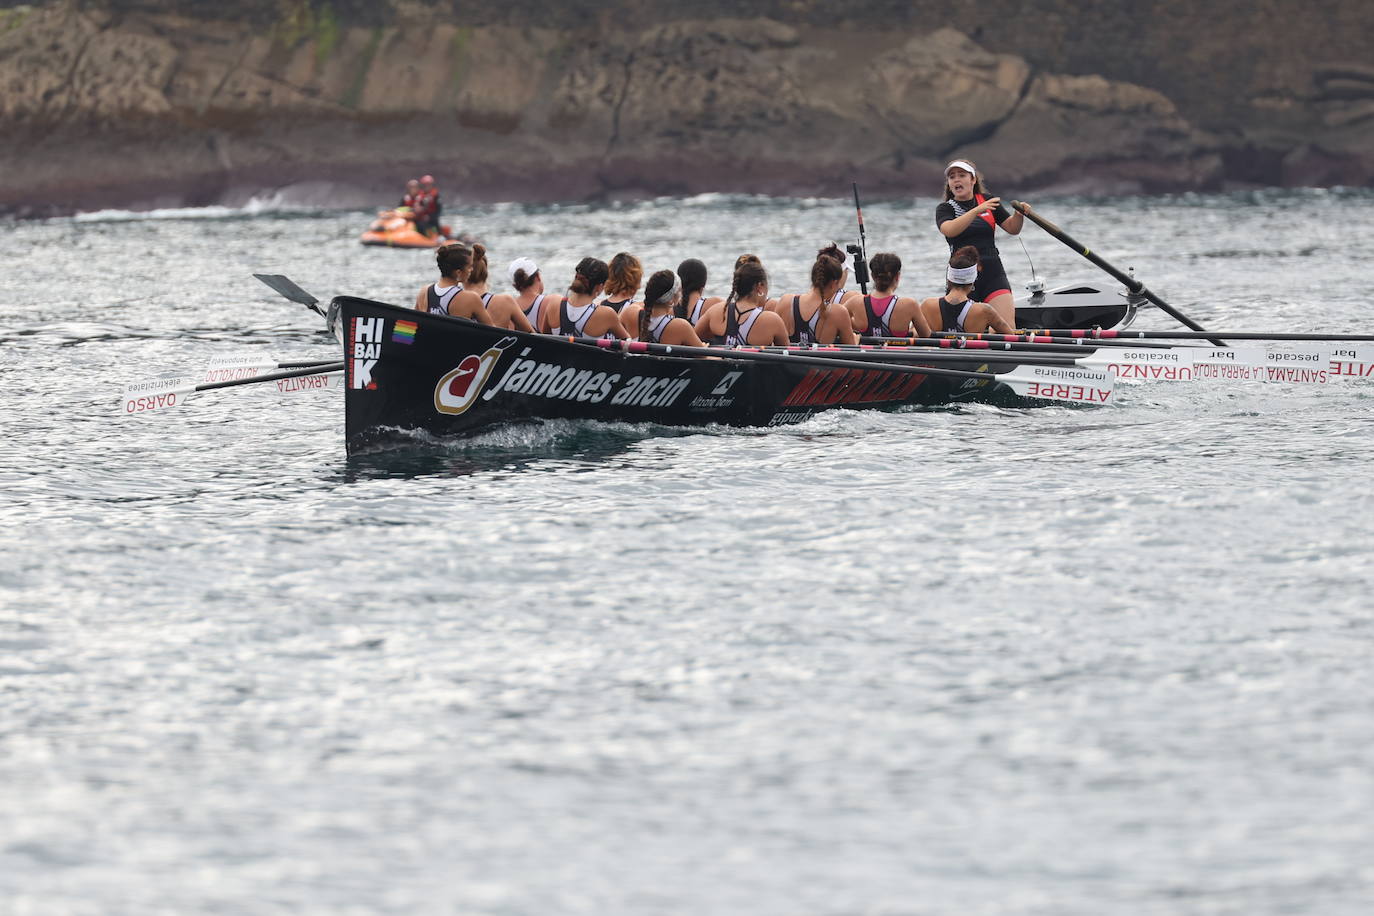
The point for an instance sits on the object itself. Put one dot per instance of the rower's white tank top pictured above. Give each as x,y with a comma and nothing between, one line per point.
445,297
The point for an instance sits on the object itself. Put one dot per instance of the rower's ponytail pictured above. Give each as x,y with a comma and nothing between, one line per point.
479,273
588,275
825,271
884,268
692,274
734,280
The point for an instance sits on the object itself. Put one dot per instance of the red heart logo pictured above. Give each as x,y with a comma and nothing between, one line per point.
466,372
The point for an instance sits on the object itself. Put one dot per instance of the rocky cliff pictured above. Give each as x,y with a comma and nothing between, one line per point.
169,102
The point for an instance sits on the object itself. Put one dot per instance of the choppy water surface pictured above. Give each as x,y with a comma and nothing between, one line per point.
976,660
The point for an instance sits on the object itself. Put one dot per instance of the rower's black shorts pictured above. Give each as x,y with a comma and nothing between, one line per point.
992,279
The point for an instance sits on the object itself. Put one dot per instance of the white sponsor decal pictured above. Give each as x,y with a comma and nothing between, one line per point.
1172,364
1352,360
1229,356
367,349
234,368
553,380
1301,364
310,382
156,395
726,382
1308,356
1057,383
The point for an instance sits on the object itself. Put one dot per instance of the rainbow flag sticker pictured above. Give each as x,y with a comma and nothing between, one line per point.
404,332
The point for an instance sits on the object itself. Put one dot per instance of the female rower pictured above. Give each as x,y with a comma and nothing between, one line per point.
847,263
883,314
955,310
810,317
626,273
691,273
578,314
771,304
529,287
743,318
654,321
501,308
447,297
968,216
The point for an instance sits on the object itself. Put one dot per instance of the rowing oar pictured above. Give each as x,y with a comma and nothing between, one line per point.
1054,383
933,354
164,393
1131,283
290,290
1109,334
1156,363
1019,342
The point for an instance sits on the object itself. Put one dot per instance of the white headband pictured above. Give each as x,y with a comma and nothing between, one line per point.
526,264
962,276
668,296
961,164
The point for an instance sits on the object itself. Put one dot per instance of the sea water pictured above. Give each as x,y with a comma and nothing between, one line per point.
968,660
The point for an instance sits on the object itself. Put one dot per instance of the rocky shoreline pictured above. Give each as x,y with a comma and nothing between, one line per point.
148,104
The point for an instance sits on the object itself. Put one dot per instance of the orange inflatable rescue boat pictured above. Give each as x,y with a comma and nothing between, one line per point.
396,229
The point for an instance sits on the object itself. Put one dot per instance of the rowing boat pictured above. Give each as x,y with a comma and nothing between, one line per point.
408,372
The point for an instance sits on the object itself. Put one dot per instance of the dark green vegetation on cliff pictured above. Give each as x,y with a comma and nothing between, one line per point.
187,100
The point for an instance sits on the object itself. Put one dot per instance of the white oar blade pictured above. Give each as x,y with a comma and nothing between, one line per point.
1299,364
311,382
234,368
1352,361
160,395
1074,384
1149,364
1228,356
1356,354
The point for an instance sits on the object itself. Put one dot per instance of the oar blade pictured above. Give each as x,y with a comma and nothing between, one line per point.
156,396
1071,384
234,368
321,380
285,287
1157,364
1356,354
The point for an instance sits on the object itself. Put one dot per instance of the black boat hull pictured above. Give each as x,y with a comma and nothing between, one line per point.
409,372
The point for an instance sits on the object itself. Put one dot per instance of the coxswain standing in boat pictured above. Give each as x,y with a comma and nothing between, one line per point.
693,302
654,320
811,317
626,273
448,297
743,318
968,216
882,314
528,282
578,314
501,307
956,310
